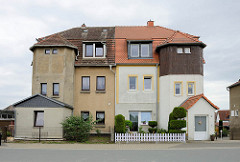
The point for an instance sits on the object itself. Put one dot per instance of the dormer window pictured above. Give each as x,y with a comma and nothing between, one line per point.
139,49
184,50
94,50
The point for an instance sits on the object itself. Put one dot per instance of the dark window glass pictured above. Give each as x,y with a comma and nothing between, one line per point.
101,83
39,118
100,116
55,89
89,50
4,116
85,115
44,88
134,119
55,51
85,83
47,51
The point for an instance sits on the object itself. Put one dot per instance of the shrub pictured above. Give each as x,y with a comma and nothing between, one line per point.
225,132
177,124
161,131
179,112
171,117
176,131
128,123
152,124
76,129
152,130
120,124
140,130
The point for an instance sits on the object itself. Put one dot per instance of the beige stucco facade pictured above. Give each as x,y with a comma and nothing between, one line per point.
24,125
235,108
95,101
54,68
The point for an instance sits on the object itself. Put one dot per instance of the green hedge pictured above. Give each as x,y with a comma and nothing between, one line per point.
171,117
152,124
179,112
177,124
120,124
152,130
176,131
128,123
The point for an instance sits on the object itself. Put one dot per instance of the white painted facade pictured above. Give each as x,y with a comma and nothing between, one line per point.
200,108
24,123
168,99
136,100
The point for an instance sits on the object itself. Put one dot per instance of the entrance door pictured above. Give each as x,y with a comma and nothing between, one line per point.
134,119
200,128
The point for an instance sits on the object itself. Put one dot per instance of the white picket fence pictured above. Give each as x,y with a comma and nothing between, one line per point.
150,137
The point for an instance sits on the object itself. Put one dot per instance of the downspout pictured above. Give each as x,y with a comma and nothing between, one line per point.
110,67
157,89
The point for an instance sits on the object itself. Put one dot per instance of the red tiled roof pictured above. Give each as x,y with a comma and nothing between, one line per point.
224,115
235,84
194,99
53,40
225,124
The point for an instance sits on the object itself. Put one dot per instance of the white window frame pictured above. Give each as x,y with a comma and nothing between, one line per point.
184,50
232,113
236,112
148,77
193,88
180,91
94,48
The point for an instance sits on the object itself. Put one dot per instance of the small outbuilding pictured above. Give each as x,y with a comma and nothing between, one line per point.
200,117
39,115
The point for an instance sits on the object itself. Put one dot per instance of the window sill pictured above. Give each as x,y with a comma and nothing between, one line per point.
55,97
140,58
85,92
90,58
100,126
100,91
177,95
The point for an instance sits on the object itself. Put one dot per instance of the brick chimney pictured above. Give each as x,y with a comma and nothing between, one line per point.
150,23
83,25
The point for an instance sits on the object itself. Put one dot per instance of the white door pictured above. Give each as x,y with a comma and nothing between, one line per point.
200,132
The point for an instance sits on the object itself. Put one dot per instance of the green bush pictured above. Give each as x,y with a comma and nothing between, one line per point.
140,130
76,129
152,130
177,124
120,124
179,112
161,131
176,131
225,132
171,117
128,123
152,124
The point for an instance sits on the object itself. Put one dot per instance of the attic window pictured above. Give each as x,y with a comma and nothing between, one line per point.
94,50
184,50
85,30
104,30
139,49
47,51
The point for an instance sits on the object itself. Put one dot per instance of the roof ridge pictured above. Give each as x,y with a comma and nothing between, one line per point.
187,35
44,39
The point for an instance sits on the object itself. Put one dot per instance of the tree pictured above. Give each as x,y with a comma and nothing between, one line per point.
176,121
75,128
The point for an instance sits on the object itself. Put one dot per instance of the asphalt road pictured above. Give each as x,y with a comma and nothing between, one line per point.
188,152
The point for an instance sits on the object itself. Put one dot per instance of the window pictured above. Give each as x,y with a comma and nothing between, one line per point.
186,50
236,112
38,118
54,51
132,82
47,51
94,50
146,117
190,88
4,116
100,83
85,83
139,49
232,112
56,89
139,118
178,87
85,115
44,88
147,83
100,116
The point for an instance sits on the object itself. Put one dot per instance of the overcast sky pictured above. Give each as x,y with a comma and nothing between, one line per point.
217,22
